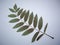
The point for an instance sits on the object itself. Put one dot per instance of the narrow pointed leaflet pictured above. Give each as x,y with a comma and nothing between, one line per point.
14,20
39,36
40,23
35,21
22,14
30,18
19,12
28,31
12,10
26,16
45,27
15,7
12,15
35,36
18,25
22,28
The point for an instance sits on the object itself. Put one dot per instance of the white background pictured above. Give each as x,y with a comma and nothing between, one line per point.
48,9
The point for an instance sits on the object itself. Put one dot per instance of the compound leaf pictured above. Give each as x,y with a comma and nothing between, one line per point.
40,23
45,27
26,16
35,21
12,15
14,20
17,12
18,25
35,36
22,28
28,31
30,18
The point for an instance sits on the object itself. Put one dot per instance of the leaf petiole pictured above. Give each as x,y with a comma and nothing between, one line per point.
47,35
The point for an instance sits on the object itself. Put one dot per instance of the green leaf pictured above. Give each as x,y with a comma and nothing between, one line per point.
28,31
14,20
18,24
39,36
45,27
19,12
35,21
26,16
12,10
22,14
30,18
35,36
22,28
12,15
15,7
40,24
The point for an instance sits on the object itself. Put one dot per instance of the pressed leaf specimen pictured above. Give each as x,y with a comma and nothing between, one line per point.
30,19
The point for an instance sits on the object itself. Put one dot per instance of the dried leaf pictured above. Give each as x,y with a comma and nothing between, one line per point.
12,10
15,7
39,36
28,31
40,24
22,14
35,36
14,20
45,27
22,28
19,12
30,18
18,24
35,21
26,16
12,15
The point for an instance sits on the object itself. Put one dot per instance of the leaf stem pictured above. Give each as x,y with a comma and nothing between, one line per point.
47,35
